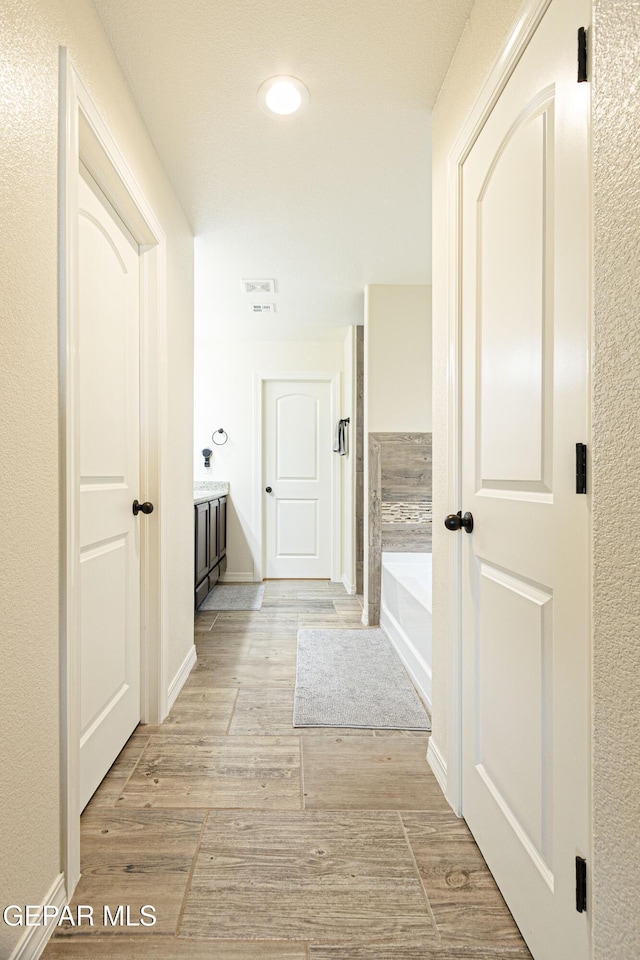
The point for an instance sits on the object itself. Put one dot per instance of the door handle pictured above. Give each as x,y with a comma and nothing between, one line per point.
142,508
455,521
268,490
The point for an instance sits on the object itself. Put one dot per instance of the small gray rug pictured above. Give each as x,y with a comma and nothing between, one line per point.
354,678
227,596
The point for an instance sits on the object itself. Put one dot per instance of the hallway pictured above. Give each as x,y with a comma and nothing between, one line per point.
255,840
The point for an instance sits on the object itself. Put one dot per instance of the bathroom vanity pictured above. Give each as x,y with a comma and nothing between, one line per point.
210,510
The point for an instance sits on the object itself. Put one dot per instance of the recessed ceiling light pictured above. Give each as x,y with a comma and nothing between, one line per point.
282,96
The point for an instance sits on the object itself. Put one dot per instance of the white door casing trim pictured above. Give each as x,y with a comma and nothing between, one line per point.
83,136
259,379
531,13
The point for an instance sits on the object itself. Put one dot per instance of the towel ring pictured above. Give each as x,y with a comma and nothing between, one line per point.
219,443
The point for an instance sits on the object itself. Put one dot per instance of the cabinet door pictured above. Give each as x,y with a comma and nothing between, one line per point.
202,541
214,551
202,591
222,528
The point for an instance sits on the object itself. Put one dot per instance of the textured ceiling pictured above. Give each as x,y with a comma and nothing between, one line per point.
324,202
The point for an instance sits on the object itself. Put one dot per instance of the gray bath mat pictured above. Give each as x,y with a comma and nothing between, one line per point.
226,596
354,678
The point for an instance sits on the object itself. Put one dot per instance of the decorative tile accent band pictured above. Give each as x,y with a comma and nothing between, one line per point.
418,511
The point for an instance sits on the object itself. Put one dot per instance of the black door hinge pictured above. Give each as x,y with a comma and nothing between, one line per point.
581,468
582,56
581,884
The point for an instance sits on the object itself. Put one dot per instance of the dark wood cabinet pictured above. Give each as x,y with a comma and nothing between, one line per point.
214,533
210,545
202,541
201,591
222,529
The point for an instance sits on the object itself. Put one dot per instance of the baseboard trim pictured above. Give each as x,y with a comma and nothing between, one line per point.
31,944
349,587
248,577
438,764
180,678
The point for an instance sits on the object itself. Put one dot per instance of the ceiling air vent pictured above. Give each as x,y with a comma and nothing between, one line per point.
259,286
262,307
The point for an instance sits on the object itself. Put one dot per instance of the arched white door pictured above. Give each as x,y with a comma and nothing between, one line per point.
297,445
525,603
109,482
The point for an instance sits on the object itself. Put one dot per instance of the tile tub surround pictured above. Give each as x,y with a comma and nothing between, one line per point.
204,490
400,512
258,841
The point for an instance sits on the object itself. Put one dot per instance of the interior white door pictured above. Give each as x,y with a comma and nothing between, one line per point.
109,455
297,443
525,602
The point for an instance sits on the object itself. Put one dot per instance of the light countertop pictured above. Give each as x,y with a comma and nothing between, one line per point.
204,490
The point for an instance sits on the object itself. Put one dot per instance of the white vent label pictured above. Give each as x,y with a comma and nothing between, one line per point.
262,307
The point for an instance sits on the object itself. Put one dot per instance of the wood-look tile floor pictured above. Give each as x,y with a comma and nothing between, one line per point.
258,841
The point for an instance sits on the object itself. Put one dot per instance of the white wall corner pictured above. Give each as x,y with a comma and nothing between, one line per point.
349,587
438,764
180,678
31,944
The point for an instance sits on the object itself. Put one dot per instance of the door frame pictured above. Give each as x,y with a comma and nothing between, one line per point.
448,770
85,138
259,379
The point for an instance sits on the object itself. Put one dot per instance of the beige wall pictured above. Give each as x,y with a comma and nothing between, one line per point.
615,871
30,33
397,358
224,396
616,479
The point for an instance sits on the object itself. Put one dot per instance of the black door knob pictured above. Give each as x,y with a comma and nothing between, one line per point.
142,508
455,521
268,490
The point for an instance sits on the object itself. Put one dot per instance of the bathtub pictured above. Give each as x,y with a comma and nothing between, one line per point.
405,613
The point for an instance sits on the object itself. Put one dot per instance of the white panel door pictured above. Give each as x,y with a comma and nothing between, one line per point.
525,303
109,417
297,442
